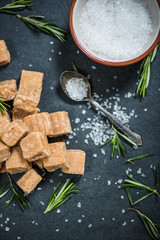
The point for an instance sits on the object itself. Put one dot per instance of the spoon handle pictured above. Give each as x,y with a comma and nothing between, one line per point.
118,124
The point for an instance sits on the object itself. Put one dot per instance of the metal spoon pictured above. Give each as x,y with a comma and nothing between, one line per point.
67,75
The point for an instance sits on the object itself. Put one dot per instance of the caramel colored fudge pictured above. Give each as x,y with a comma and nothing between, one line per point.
40,122
14,132
76,162
4,152
61,124
8,90
4,54
16,163
58,157
2,167
4,123
39,163
5,114
29,181
20,114
35,146
29,92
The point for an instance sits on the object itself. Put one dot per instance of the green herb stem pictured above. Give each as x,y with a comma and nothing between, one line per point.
58,198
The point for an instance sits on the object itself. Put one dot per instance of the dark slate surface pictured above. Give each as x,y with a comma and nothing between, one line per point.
98,200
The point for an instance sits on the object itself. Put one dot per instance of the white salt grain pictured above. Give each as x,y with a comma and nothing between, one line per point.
79,205
77,120
90,225
6,229
118,30
76,88
124,224
79,220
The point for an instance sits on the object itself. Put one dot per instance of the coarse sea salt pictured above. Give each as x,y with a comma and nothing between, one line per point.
116,30
76,88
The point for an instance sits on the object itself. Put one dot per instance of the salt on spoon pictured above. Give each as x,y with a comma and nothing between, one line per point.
78,88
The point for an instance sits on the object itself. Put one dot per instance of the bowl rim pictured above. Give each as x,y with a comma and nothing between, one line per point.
101,61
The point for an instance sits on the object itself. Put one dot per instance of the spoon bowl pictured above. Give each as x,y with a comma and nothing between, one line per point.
68,75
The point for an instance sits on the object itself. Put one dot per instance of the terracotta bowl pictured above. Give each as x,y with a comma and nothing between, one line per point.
74,16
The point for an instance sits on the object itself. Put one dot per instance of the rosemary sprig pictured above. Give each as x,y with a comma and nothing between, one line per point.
151,227
74,67
116,143
132,183
40,24
16,5
58,198
3,106
16,193
145,72
130,160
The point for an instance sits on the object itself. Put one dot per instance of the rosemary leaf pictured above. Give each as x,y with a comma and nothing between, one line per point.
130,160
39,23
149,225
16,5
74,67
3,106
132,183
17,194
2,192
145,72
58,198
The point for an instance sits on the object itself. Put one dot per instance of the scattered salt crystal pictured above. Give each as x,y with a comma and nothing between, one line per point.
66,220
49,59
58,210
83,112
51,180
76,88
86,141
123,211
83,216
115,77
132,220
102,219
120,181
30,65
42,203
90,225
39,189
51,88
145,110
94,155
77,120
137,193
143,175
18,237
6,229
52,50
79,220
103,151
60,53
139,171
122,197
7,219
124,224
13,223
57,230
1,225
116,30
93,67
135,147
113,219
51,42
77,51
79,205
1,215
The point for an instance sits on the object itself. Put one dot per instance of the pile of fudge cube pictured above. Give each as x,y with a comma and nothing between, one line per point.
24,138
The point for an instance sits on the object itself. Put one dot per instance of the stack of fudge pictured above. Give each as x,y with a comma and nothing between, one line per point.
23,140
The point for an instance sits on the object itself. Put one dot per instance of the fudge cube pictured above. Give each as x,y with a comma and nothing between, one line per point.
16,163
58,157
2,167
4,123
4,152
4,54
76,162
14,132
35,146
39,163
29,181
29,92
61,124
5,114
8,90
40,122
20,114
